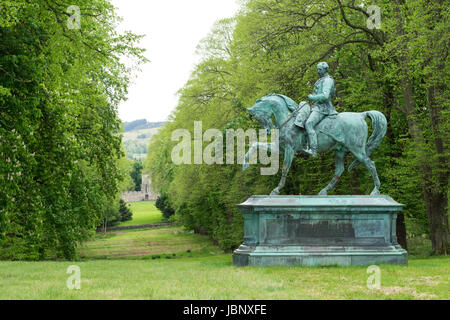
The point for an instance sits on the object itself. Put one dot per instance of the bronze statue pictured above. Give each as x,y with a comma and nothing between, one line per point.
322,126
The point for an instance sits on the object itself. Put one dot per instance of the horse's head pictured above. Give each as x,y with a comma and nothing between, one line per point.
262,111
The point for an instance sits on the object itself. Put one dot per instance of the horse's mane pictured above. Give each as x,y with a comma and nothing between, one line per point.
291,104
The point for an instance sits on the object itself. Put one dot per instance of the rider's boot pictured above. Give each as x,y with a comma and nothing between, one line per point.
312,149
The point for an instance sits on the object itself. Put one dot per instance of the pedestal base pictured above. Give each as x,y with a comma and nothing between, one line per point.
311,256
319,231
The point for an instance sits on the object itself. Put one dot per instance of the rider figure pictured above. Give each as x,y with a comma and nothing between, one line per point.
324,90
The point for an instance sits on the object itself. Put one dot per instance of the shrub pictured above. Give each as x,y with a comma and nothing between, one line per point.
125,212
162,203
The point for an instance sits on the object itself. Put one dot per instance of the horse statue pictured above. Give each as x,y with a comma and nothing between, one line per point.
344,132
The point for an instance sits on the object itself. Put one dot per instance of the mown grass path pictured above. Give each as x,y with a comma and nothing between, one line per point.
144,212
166,242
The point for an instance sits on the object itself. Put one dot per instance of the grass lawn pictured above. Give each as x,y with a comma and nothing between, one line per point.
144,212
167,263
214,277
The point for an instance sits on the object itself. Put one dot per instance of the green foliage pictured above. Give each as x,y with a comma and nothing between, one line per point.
162,203
111,214
60,134
115,212
135,147
125,212
274,46
136,175
125,167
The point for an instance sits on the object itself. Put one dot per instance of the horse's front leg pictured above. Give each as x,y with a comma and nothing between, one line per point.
288,156
246,162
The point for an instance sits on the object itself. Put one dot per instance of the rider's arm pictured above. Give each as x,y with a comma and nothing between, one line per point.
326,91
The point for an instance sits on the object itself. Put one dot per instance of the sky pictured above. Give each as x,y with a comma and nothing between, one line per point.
172,30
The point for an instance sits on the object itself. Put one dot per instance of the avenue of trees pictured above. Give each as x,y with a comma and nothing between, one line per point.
273,46
62,162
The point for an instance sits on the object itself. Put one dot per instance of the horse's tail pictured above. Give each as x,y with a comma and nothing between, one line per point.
379,125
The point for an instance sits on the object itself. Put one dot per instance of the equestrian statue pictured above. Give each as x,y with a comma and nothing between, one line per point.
317,129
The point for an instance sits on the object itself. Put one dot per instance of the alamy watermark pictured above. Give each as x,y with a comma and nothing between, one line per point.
374,20
213,153
74,280
374,280
74,20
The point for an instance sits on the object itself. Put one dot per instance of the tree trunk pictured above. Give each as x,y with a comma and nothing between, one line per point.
401,231
388,102
438,221
438,194
435,194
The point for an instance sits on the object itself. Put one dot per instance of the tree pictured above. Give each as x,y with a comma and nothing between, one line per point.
162,203
125,212
60,133
270,46
136,175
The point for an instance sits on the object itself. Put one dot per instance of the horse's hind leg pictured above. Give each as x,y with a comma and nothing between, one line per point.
339,160
364,158
373,171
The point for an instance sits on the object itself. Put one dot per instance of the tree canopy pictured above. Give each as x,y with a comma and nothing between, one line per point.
400,69
60,150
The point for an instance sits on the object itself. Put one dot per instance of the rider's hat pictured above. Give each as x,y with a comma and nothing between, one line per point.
322,65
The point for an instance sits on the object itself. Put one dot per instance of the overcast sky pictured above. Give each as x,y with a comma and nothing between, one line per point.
173,28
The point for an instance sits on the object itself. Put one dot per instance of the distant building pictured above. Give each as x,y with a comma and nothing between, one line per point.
146,188
146,193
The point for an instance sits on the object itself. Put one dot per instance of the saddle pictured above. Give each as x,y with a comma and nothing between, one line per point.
330,125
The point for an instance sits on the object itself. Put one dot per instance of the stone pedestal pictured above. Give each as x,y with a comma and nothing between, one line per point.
319,230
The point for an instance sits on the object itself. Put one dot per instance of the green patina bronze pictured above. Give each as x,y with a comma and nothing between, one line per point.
344,132
319,230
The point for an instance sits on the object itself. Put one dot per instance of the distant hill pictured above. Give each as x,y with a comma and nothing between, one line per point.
137,137
141,124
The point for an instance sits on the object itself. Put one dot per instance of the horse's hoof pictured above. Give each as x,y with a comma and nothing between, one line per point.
245,166
375,192
323,192
275,192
